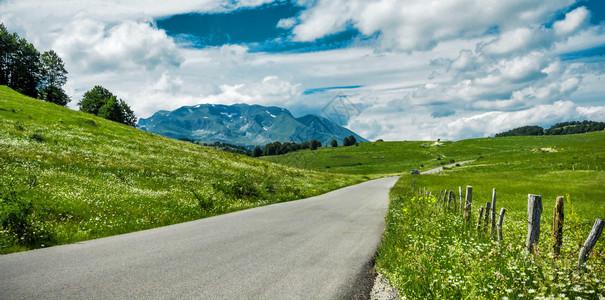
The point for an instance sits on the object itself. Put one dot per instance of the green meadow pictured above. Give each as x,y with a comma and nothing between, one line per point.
428,252
67,176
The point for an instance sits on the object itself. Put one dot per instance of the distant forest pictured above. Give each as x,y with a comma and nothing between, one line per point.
275,148
557,129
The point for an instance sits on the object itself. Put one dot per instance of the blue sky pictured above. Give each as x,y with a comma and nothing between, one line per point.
415,69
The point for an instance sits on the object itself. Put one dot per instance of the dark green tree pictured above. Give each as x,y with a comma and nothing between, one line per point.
54,76
129,117
24,74
94,99
8,51
101,102
334,143
352,140
315,144
257,152
346,142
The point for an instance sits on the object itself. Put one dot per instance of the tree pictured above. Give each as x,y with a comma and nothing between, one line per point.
352,140
24,73
346,142
101,102
54,76
315,144
257,152
130,118
8,51
334,143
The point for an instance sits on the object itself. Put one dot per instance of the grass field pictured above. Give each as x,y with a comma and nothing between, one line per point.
430,253
402,157
67,176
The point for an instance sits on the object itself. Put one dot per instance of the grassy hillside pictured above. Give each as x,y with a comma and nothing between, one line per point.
67,176
428,251
574,151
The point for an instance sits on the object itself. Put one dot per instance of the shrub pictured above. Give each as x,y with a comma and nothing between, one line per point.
36,137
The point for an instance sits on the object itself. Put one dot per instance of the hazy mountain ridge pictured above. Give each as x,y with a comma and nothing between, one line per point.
243,124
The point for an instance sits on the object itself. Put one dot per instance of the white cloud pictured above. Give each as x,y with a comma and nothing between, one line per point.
573,21
516,40
446,69
420,24
286,23
94,47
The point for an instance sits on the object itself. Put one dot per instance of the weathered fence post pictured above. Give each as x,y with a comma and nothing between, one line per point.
594,235
479,218
557,227
488,207
450,198
534,211
493,212
461,208
500,221
468,203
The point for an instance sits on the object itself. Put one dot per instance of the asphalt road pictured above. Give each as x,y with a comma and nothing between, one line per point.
316,248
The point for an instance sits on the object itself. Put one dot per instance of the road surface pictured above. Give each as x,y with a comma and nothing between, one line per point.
316,248
437,170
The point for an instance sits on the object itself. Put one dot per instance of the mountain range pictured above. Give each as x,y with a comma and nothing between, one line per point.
243,124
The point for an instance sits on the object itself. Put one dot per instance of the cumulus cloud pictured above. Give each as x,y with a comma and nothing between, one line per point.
95,47
438,69
286,23
574,20
421,25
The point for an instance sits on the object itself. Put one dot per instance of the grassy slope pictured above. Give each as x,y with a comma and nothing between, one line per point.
93,178
402,157
430,254
459,264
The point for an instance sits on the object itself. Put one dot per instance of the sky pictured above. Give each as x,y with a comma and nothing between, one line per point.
408,70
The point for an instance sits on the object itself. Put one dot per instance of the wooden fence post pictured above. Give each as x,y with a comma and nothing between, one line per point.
493,212
461,208
479,218
557,227
488,207
450,198
596,231
468,203
500,221
534,211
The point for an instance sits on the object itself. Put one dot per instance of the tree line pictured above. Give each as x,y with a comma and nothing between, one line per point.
25,70
42,75
563,128
277,148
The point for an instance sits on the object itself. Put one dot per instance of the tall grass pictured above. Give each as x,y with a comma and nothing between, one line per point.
429,252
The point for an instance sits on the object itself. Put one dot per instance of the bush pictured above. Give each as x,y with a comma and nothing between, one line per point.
37,137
